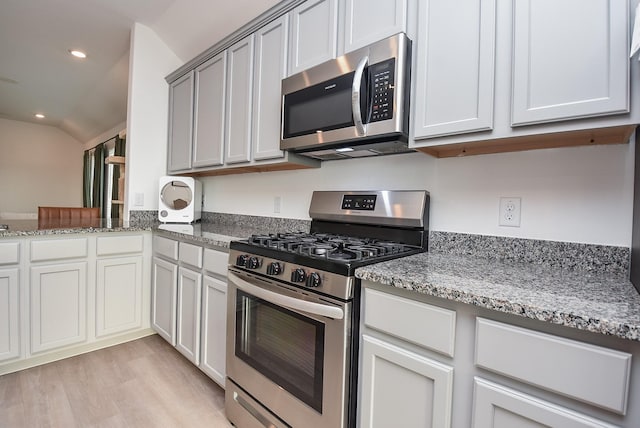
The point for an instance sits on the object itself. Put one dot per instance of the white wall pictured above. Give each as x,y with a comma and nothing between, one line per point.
151,60
107,135
581,194
39,165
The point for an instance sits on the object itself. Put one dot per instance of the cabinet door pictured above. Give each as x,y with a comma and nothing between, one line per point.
367,21
58,305
214,329
495,406
180,123
270,69
9,314
188,315
239,100
314,34
400,388
455,67
163,299
118,295
209,113
570,59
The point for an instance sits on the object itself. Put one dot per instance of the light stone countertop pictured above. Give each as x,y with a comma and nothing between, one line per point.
602,303
24,228
605,303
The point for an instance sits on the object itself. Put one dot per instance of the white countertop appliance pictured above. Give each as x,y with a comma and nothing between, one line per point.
179,200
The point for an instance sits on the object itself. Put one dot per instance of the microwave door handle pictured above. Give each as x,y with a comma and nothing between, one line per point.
286,301
355,95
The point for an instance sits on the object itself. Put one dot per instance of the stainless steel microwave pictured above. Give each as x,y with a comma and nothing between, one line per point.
353,106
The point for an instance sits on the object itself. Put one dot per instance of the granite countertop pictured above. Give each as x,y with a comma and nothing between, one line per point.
219,235
22,228
602,303
605,303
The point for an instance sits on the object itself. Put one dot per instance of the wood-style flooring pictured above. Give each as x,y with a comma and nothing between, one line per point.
143,383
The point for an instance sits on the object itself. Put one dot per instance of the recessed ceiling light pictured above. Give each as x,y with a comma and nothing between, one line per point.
39,115
77,53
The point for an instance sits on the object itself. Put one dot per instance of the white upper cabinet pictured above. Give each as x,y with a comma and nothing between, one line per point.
239,101
367,21
570,59
209,112
270,68
314,33
455,67
180,123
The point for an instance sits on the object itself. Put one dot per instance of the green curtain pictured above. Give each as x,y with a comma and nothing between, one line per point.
98,178
86,180
119,151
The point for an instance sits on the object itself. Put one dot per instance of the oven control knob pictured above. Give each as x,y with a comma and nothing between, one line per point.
253,263
242,260
274,268
313,280
298,275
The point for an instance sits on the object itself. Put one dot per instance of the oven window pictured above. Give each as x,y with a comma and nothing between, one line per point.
284,346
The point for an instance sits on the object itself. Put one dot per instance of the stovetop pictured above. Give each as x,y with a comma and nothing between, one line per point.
335,253
349,229
328,246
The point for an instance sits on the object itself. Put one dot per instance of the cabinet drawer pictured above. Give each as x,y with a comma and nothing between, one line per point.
108,245
191,254
165,247
425,325
588,373
9,253
216,261
57,249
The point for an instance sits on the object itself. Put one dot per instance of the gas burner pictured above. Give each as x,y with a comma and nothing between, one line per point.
331,247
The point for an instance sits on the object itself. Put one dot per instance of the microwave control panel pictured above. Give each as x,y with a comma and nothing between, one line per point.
382,84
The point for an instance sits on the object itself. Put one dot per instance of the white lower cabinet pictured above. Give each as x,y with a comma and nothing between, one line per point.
496,406
403,389
214,328
163,299
118,295
9,314
188,314
189,303
58,305
62,295
509,372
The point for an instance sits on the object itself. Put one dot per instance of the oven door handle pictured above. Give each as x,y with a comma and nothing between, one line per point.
286,301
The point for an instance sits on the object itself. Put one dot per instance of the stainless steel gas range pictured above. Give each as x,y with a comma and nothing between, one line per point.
293,307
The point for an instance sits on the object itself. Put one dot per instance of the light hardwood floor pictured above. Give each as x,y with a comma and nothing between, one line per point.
143,383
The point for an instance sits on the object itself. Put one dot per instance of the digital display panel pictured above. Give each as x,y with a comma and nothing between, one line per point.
359,202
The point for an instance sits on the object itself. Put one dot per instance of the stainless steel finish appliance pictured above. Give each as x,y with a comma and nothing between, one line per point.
354,106
293,307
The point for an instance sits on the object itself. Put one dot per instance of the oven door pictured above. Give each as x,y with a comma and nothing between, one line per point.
287,355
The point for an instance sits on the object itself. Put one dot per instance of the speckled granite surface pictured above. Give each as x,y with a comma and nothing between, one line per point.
564,255
19,228
257,223
575,285
603,303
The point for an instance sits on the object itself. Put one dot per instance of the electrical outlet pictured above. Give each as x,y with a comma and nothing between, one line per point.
277,201
138,199
509,212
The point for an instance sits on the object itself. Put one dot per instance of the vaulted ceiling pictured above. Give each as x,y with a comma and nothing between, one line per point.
88,97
